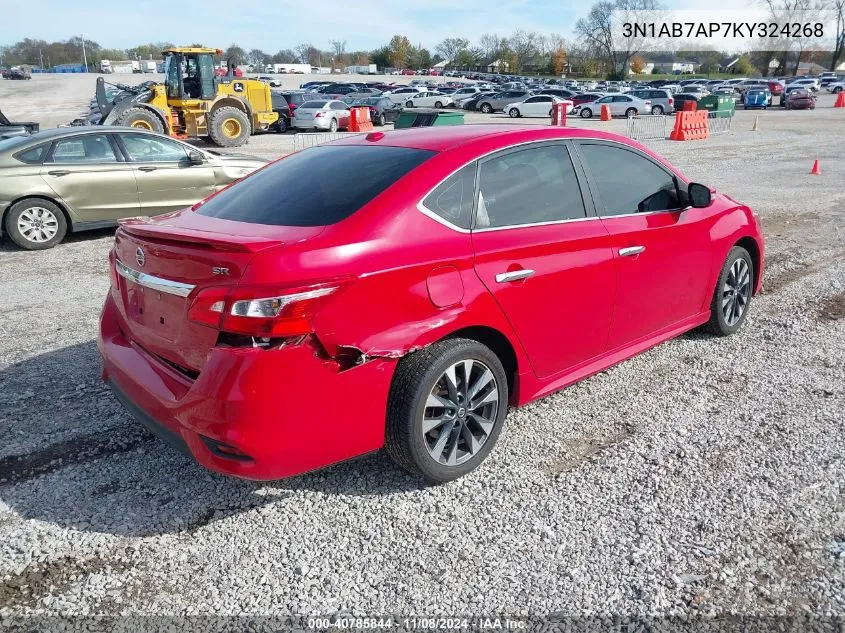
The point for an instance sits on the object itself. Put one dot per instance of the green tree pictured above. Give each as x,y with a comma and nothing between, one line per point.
234,54
399,46
381,57
744,66
451,46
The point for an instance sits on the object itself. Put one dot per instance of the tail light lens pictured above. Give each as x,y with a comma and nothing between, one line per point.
671,101
253,311
318,115
115,282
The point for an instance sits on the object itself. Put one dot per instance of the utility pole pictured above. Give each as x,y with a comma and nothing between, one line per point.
84,56
41,58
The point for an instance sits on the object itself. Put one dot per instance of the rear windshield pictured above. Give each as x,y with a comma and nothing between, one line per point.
304,190
313,104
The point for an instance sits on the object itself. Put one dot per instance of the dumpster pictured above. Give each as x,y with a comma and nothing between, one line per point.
722,107
424,117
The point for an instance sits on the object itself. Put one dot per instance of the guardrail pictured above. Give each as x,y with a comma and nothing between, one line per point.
648,127
303,141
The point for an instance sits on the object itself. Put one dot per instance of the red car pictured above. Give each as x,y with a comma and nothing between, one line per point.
292,320
586,97
776,88
800,99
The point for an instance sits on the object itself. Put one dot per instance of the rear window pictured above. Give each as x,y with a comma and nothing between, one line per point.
33,156
301,190
313,104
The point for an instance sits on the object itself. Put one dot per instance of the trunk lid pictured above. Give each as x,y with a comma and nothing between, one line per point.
164,261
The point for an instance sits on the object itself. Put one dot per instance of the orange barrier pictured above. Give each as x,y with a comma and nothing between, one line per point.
690,126
559,114
605,112
359,119
690,105
840,100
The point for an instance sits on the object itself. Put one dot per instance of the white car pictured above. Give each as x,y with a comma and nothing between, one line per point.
836,87
428,100
620,105
465,93
807,83
697,89
322,114
538,105
400,95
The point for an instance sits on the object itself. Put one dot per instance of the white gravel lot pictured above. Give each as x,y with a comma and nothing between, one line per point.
703,477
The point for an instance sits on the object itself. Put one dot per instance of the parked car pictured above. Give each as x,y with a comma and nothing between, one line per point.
341,89
560,93
73,179
226,369
682,97
17,73
586,97
428,100
727,91
756,98
271,81
535,106
775,87
382,109
401,95
662,101
472,103
620,105
322,114
836,87
800,99
809,83
286,103
498,101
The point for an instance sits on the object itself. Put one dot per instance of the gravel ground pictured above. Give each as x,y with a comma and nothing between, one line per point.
703,477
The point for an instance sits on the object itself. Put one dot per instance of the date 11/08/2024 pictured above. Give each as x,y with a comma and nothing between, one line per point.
414,623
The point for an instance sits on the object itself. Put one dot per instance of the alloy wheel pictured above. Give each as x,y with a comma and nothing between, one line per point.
38,224
736,292
460,412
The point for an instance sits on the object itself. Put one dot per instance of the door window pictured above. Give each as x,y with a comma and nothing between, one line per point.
629,183
528,187
89,148
143,148
452,199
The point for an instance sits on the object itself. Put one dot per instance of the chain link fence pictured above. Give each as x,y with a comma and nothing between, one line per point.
304,141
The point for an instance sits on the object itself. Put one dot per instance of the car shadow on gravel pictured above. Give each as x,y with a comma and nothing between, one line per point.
76,459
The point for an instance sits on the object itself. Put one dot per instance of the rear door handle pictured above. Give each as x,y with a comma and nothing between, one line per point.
59,172
631,250
148,168
514,275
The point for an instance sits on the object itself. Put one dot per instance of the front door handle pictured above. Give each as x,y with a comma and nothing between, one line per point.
59,172
631,250
149,168
514,275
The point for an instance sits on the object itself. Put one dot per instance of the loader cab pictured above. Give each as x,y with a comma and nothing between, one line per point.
189,74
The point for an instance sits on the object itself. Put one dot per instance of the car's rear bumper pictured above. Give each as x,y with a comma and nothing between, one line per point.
253,413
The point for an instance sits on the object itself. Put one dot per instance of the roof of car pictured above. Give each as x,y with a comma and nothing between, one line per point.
58,132
442,138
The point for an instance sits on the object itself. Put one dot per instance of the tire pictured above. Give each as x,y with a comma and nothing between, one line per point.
720,324
513,113
409,104
333,125
486,108
381,120
282,125
630,112
416,376
586,113
657,110
29,213
836,91
438,104
229,127
142,119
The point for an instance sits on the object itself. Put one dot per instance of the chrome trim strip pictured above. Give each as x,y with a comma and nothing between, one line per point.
152,282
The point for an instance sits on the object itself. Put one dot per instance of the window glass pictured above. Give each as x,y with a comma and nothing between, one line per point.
529,186
452,200
34,155
89,148
338,106
143,148
315,105
629,183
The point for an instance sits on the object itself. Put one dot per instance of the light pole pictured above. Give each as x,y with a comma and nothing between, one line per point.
84,56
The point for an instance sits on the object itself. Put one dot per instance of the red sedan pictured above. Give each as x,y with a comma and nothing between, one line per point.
293,321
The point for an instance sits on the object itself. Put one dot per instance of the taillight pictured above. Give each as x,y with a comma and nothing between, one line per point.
671,101
115,282
318,115
254,311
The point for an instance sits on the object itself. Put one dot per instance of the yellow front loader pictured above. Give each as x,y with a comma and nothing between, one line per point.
194,102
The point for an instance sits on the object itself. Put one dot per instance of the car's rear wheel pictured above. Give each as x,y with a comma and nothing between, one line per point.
631,112
282,125
513,113
333,125
446,408
586,113
657,110
732,295
36,224
381,120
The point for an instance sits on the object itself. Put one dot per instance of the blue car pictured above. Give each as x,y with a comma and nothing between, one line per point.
757,98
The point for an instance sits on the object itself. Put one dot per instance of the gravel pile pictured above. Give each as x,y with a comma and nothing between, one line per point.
703,477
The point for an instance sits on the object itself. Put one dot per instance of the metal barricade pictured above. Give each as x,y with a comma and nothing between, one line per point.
303,141
648,127
718,124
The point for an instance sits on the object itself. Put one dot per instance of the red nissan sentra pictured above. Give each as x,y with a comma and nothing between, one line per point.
296,320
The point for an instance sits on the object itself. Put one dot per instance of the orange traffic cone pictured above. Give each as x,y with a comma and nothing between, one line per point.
605,112
815,171
840,100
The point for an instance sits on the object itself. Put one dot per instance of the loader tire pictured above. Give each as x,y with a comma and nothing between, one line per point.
141,119
229,127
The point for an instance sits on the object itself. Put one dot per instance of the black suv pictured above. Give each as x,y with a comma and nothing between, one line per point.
284,103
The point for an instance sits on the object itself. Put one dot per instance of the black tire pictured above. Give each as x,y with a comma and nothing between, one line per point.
413,380
717,324
50,213
513,113
630,112
409,104
229,127
836,91
282,125
142,119
333,125
438,104
657,110
486,108
586,113
381,120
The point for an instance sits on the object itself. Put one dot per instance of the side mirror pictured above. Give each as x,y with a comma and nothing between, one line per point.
699,195
195,158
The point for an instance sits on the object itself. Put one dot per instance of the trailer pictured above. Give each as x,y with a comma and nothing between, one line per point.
368,69
299,69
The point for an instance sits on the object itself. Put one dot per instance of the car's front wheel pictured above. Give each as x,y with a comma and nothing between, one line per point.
446,408
486,108
513,113
409,104
631,112
36,224
732,295
586,113
381,120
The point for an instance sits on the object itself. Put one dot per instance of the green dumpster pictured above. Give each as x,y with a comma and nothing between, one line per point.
723,107
423,117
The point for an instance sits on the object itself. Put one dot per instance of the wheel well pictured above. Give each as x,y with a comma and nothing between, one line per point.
497,342
750,245
4,216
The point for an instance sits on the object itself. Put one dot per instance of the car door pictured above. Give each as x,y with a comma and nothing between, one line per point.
539,105
167,180
92,178
544,256
662,247
619,104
